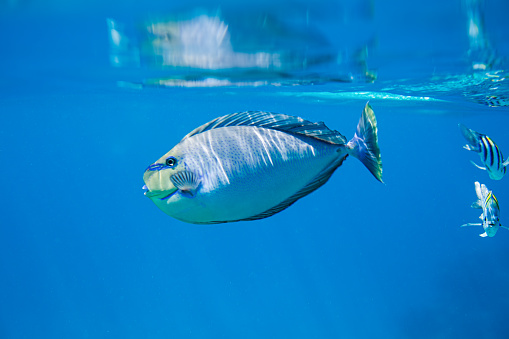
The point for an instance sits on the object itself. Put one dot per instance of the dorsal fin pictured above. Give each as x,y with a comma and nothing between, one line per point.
275,121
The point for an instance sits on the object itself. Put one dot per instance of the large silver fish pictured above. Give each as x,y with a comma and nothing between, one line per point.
251,165
489,152
490,215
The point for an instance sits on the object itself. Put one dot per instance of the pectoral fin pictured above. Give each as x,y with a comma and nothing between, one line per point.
187,182
476,204
506,162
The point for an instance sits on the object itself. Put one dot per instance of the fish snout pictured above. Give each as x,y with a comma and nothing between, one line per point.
158,183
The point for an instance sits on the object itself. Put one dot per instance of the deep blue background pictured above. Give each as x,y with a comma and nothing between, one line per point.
83,254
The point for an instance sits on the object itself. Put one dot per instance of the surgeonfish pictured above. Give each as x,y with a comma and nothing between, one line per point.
490,155
490,215
252,165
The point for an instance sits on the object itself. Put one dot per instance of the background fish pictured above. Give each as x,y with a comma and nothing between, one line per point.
490,155
490,215
251,165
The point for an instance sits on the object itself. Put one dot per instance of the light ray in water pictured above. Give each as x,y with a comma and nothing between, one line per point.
360,95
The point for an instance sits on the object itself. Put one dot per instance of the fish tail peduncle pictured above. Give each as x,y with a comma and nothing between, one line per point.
472,138
364,145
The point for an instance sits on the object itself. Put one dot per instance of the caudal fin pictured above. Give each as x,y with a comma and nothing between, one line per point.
364,145
472,138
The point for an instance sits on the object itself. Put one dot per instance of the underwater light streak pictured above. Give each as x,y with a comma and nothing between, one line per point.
360,95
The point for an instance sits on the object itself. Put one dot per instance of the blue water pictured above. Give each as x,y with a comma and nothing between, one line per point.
84,254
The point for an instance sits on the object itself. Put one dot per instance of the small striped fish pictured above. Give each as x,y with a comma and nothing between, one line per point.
490,215
490,155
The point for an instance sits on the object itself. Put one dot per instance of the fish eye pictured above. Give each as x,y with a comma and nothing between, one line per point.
171,162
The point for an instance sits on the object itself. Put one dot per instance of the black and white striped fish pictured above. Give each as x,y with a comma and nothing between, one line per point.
490,155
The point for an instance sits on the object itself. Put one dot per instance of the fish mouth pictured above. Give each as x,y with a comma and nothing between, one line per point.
161,195
168,196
